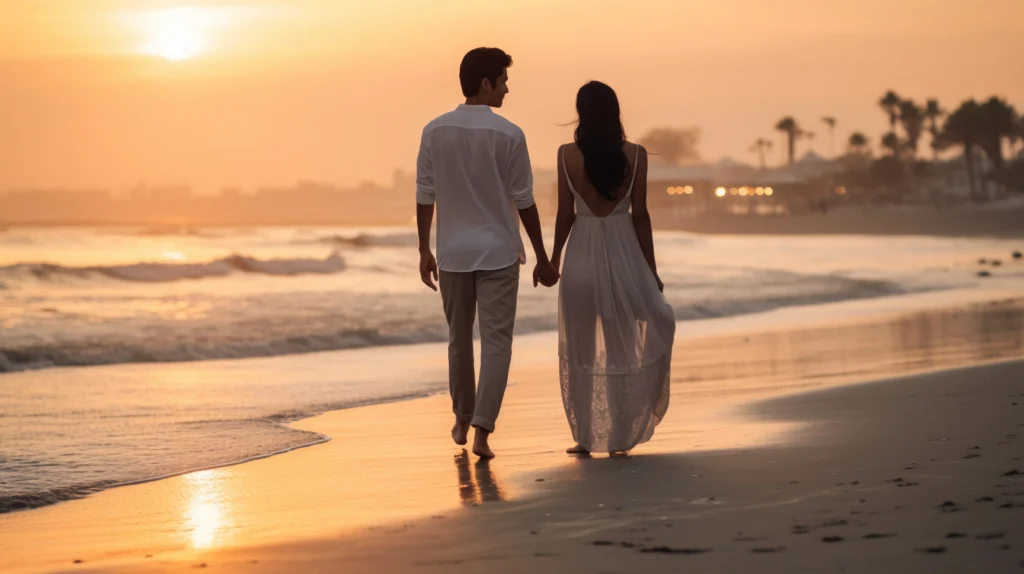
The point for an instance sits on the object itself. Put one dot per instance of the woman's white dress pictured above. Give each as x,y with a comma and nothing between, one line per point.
615,332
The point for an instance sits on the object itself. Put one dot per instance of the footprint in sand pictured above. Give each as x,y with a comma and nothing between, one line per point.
832,539
990,536
769,550
956,535
669,550
879,535
985,499
950,506
933,550
800,529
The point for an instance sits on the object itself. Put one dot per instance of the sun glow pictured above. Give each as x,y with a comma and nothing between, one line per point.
185,32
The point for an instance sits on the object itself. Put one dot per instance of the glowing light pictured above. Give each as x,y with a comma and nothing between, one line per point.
768,191
720,192
840,191
759,191
688,190
743,191
175,34
733,191
206,516
173,255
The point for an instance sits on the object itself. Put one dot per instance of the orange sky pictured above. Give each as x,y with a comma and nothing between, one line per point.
338,90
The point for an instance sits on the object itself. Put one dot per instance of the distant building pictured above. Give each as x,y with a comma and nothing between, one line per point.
732,187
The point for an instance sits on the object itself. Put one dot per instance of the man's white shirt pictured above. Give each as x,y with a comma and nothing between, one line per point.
474,165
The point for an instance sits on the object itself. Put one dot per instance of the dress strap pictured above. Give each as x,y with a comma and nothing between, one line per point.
565,168
636,168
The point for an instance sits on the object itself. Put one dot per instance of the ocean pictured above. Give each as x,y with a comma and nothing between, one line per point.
128,354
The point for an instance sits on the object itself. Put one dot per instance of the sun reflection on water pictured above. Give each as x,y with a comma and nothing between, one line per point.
207,519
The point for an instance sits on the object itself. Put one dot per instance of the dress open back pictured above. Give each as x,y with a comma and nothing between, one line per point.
615,331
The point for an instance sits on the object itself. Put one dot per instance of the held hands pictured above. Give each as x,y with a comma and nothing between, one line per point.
428,269
545,273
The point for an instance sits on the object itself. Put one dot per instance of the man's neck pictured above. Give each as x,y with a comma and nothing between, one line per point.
474,101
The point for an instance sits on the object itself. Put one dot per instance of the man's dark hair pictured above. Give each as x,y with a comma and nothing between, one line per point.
481,63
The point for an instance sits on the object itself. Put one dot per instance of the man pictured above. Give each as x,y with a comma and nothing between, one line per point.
475,166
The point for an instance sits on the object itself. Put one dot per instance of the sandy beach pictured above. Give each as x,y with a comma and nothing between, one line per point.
790,459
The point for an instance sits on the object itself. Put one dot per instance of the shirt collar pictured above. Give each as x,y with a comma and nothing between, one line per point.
476,108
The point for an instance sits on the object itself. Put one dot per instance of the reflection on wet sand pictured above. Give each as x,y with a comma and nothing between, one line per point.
207,516
833,354
476,485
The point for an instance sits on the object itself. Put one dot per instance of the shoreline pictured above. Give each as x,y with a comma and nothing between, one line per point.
976,221
392,474
760,324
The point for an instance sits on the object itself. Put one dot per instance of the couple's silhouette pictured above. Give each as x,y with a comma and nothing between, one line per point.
615,326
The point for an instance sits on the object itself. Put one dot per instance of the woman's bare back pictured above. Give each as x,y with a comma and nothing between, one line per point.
598,204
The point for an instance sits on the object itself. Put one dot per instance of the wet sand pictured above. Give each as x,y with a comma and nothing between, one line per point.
762,464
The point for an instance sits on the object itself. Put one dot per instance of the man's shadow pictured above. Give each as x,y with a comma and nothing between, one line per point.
476,482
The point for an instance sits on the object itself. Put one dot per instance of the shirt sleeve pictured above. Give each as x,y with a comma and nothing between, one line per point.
519,178
424,173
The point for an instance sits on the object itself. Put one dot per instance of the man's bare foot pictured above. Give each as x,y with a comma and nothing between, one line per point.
578,449
480,447
460,432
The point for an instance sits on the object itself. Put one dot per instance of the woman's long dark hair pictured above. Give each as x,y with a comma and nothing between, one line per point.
600,136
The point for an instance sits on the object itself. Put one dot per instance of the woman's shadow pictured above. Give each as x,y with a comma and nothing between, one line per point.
476,482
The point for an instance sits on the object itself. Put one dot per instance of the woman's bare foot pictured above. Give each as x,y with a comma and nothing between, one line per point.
460,432
480,447
578,449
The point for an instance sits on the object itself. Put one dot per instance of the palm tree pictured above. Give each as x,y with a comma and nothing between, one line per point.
788,126
830,121
858,144
890,104
963,128
998,121
912,119
891,143
761,146
932,112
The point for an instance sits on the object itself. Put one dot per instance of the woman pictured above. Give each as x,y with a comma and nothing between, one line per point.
615,326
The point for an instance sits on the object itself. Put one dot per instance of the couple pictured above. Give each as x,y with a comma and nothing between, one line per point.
615,326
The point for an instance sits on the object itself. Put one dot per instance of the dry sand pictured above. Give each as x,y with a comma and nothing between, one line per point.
743,476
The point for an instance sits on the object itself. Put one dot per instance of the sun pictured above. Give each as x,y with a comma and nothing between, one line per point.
177,33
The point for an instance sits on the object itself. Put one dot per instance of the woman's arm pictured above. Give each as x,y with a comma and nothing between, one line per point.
566,211
642,217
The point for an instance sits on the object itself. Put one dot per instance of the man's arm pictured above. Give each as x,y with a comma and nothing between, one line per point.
425,212
520,191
